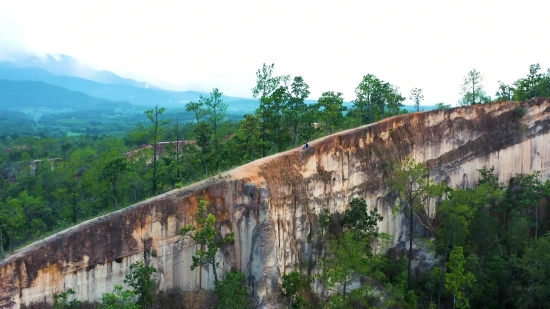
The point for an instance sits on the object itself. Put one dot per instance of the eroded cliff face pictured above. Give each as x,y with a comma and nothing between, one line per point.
271,205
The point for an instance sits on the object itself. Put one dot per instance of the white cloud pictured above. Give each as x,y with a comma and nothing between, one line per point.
332,44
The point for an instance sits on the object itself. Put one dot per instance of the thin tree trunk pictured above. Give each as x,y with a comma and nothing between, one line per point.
263,129
74,206
295,134
2,183
473,93
215,133
11,246
443,267
215,273
115,194
177,148
345,286
155,155
442,276
1,243
536,221
410,247
74,196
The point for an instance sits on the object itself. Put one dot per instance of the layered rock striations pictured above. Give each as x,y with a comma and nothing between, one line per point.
271,205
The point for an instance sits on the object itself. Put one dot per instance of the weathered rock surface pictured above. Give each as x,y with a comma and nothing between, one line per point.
270,205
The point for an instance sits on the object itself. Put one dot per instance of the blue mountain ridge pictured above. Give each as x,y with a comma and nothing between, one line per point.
66,72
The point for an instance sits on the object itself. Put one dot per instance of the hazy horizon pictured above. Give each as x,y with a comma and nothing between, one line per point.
199,46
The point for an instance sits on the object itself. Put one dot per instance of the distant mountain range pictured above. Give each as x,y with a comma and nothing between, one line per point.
116,92
36,94
64,81
67,65
67,72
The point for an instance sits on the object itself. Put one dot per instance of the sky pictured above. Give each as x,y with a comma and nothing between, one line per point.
200,45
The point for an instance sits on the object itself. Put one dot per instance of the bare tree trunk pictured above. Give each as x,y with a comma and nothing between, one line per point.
155,156
536,221
11,246
410,248
344,293
115,194
215,272
177,148
443,267
74,199
442,276
1,243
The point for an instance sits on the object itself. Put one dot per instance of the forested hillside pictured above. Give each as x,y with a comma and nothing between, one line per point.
492,238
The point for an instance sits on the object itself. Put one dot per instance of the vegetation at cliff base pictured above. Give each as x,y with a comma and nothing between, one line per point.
489,247
141,296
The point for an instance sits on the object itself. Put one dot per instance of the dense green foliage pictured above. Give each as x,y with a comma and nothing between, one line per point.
61,300
144,287
293,282
349,256
119,299
492,242
489,234
231,291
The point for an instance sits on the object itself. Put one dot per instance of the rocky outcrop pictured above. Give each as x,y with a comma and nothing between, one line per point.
270,205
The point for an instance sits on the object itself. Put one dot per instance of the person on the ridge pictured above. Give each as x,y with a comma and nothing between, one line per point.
305,146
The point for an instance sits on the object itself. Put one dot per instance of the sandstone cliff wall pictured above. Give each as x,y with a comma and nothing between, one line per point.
271,203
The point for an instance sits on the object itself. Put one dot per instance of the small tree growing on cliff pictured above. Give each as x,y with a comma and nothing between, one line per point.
349,251
119,299
61,300
144,286
458,279
413,186
208,238
292,282
231,292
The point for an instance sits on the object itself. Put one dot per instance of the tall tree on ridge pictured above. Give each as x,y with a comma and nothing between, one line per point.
393,102
505,92
215,111
472,89
331,108
295,106
410,181
266,84
534,85
416,97
370,100
153,116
